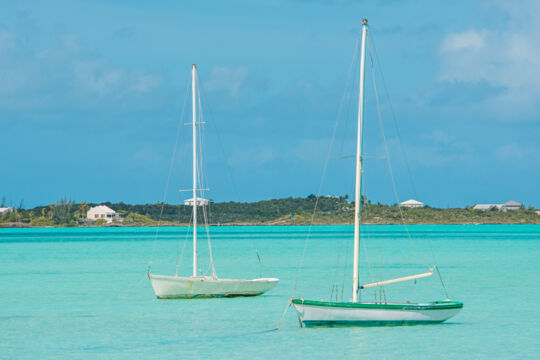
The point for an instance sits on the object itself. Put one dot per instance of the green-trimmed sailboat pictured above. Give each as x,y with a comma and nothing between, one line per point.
355,313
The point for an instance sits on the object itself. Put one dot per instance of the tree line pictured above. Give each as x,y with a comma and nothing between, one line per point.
329,210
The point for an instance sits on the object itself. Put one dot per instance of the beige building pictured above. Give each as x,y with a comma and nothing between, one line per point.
103,212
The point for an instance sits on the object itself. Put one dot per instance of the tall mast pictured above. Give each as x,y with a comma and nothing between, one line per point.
194,103
357,197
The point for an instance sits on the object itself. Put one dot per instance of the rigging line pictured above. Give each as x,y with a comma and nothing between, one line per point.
220,142
203,177
180,121
260,263
377,254
392,111
301,263
201,89
336,273
179,260
214,275
379,114
352,89
442,282
339,253
349,89
201,174
209,240
299,270
347,266
184,246
368,229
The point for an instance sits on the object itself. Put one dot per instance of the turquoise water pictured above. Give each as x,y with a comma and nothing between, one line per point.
82,293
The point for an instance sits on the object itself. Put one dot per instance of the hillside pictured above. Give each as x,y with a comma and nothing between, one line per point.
287,211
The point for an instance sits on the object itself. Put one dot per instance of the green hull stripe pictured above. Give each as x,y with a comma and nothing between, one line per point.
337,323
437,305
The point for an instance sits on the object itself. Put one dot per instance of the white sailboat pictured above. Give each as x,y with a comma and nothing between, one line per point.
355,313
199,286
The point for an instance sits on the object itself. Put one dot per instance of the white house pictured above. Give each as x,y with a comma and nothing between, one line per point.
412,204
510,205
487,207
5,210
200,201
102,212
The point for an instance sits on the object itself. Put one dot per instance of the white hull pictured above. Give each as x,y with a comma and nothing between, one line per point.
173,287
318,313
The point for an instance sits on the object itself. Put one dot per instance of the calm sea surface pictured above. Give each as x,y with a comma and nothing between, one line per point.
83,294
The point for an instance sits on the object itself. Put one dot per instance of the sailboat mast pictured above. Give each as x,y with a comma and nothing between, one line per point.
357,197
194,103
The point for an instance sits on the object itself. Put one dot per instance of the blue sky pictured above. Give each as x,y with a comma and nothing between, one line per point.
91,93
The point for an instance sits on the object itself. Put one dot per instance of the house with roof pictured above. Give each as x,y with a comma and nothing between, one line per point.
200,202
411,203
5,210
510,205
487,207
103,212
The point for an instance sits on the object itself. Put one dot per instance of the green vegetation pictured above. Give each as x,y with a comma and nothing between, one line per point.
288,211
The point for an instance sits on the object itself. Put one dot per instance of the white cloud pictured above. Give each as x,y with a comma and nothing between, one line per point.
147,156
97,77
30,77
465,40
438,149
71,42
438,136
144,83
93,77
229,79
515,152
7,40
436,156
258,155
506,58
314,151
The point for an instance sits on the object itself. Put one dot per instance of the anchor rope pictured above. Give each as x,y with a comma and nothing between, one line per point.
132,290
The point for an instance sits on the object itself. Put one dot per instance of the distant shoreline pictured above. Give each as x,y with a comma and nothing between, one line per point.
326,210
28,226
